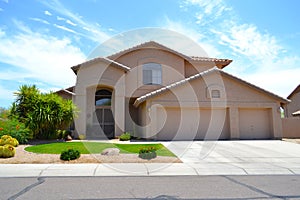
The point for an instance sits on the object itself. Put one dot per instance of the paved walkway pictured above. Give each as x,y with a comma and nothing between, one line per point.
199,158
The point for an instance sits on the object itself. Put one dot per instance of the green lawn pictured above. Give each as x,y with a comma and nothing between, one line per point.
95,147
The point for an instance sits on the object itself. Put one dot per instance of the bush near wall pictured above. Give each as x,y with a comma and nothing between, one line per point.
15,129
125,137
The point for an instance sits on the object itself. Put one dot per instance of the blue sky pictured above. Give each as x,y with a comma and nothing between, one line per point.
41,40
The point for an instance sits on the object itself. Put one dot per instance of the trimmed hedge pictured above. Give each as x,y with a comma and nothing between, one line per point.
70,154
7,151
125,137
6,139
148,152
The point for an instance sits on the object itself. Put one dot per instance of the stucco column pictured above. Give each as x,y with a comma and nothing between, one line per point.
80,102
234,123
276,122
153,127
119,107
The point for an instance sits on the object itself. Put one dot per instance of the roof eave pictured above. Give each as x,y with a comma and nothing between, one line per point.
107,60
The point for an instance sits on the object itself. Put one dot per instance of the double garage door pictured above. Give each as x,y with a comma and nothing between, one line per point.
212,124
194,124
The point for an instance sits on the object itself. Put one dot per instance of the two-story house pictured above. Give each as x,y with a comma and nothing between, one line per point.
158,93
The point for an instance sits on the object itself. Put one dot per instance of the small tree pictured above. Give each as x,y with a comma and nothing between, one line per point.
42,113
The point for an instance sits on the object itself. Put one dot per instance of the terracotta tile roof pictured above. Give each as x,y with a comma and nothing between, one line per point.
296,90
219,62
149,44
106,60
143,98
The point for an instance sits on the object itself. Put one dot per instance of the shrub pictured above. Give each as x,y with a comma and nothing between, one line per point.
69,154
81,137
42,113
61,134
125,137
6,139
148,152
15,129
7,151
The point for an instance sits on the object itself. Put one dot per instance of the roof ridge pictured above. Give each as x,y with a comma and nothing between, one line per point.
122,66
142,98
144,44
172,85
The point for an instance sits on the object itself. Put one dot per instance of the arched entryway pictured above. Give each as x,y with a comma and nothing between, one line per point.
103,102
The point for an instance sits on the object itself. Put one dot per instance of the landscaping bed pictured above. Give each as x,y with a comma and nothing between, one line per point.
90,153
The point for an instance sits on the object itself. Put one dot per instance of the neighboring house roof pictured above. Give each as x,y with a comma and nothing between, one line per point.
103,59
221,63
296,90
297,113
69,90
149,95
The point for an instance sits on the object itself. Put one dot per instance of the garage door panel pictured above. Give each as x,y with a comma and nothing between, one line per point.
183,124
255,123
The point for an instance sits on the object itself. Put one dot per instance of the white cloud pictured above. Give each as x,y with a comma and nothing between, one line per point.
65,28
46,12
247,40
60,18
39,20
70,22
40,56
94,34
208,10
66,20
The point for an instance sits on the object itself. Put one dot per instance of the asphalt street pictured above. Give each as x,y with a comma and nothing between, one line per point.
159,187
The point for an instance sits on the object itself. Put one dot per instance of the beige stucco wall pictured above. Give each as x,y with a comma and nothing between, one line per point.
89,78
239,109
294,105
291,127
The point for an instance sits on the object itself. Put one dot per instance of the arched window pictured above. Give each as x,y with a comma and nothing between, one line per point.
103,98
152,74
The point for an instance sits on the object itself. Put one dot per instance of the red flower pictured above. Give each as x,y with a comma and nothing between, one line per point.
18,127
1,129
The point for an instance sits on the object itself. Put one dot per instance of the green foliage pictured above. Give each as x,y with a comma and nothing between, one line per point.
62,134
42,113
7,151
82,137
6,139
147,152
15,129
125,136
70,154
4,113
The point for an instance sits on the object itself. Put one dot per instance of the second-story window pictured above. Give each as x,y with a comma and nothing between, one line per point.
152,74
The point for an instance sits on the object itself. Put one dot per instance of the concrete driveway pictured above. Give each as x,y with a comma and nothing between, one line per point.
239,157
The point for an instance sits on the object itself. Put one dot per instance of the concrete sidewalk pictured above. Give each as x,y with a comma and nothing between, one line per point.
269,157
147,169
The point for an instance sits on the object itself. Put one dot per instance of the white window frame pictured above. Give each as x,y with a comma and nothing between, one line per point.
152,74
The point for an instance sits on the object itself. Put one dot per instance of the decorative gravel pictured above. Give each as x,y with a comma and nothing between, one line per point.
23,157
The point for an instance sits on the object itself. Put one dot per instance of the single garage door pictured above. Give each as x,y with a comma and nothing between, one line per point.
255,123
190,124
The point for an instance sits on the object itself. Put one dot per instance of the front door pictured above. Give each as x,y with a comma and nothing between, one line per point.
104,113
